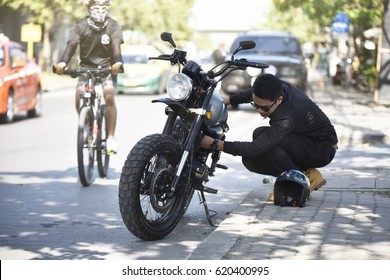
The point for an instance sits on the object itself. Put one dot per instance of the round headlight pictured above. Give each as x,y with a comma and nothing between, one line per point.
179,86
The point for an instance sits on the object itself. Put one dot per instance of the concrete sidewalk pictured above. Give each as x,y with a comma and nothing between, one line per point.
349,218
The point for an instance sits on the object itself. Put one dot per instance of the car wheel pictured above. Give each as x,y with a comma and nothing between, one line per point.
8,117
37,111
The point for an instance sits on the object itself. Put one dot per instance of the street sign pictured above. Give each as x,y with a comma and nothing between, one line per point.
31,33
340,23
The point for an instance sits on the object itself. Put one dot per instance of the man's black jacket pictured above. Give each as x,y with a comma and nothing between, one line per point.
297,114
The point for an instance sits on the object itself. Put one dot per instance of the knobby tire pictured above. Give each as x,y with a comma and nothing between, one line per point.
146,208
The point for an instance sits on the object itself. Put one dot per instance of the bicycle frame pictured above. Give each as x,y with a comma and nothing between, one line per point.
93,97
92,132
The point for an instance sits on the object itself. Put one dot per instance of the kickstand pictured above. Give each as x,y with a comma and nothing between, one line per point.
202,200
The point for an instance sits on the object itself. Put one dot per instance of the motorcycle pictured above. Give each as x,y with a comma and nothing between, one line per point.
163,170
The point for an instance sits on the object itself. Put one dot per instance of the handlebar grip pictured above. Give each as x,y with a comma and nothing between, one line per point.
257,64
246,63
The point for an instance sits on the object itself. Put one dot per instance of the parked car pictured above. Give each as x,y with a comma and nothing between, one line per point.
20,82
281,50
141,74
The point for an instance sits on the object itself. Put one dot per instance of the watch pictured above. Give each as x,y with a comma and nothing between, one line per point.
214,145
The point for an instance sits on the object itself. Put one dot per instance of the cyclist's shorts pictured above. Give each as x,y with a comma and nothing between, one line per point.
109,80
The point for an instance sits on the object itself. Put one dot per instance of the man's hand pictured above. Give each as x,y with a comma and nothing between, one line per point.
226,100
117,68
60,68
206,142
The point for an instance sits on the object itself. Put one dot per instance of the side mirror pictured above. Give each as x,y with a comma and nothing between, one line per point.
167,37
244,45
247,45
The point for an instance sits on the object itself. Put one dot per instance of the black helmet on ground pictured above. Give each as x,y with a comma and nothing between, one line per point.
291,188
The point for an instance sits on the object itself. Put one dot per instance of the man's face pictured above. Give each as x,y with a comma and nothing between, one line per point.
98,12
265,107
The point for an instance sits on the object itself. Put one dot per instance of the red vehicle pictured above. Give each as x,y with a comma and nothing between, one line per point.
20,83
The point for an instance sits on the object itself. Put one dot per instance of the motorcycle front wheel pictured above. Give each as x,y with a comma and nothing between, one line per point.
148,207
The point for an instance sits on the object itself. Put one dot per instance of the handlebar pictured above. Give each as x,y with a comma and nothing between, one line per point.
178,56
78,72
245,63
238,64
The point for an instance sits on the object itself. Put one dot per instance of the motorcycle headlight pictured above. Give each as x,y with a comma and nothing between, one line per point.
179,86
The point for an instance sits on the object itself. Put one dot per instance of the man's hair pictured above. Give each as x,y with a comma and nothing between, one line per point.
267,86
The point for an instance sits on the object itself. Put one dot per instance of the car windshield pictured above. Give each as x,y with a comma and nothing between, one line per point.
271,45
135,58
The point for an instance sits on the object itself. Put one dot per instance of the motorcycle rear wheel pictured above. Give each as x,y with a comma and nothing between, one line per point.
148,208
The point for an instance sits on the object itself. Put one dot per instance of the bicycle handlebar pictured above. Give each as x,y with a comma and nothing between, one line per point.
78,72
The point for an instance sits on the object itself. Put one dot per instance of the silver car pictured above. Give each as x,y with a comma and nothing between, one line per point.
281,50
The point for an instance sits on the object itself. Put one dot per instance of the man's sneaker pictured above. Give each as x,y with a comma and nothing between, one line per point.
315,178
111,145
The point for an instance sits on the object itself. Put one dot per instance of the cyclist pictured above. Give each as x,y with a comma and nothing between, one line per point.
100,38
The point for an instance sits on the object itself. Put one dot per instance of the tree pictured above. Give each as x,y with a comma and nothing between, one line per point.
363,15
150,17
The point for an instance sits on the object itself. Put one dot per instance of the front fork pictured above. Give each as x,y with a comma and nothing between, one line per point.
187,149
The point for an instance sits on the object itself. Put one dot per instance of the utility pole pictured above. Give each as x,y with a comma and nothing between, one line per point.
382,94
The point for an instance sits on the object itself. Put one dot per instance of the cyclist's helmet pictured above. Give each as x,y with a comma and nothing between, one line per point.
98,9
291,189
89,3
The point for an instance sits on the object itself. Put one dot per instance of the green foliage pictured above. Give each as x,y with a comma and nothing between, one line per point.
48,11
293,20
363,15
150,17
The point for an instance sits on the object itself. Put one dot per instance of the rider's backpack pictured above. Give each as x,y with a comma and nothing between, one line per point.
291,188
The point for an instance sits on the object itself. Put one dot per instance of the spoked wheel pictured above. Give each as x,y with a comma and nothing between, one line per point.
85,146
148,207
103,159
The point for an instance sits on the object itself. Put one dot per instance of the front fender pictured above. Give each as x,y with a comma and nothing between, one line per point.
175,106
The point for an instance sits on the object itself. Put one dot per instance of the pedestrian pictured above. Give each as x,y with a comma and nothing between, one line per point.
299,136
99,37
219,54
323,59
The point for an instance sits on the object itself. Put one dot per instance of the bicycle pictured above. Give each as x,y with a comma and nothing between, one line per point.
92,134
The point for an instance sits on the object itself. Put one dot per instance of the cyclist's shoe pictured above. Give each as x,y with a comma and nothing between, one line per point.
111,145
271,197
315,178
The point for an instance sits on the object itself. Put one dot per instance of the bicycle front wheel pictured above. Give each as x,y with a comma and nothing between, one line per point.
85,146
103,159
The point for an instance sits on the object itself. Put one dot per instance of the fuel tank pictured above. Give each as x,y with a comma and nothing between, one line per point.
218,109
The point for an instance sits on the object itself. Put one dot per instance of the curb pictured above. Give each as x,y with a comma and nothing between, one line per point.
239,227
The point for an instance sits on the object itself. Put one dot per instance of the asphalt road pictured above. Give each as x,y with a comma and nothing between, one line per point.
45,213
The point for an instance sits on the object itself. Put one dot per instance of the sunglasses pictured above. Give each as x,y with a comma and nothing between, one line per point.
263,108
